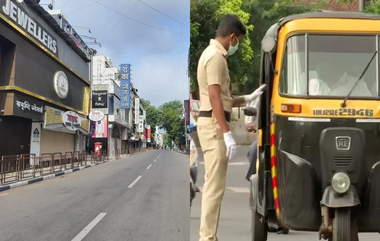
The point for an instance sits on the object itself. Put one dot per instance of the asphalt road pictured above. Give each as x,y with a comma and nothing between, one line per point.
136,198
235,215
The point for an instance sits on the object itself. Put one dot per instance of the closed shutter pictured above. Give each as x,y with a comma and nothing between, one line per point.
55,142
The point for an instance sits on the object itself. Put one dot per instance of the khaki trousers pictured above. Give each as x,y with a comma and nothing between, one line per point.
215,161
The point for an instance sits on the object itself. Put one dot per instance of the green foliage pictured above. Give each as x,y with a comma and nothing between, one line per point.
153,116
167,116
172,123
167,140
175,105
204,19
265,13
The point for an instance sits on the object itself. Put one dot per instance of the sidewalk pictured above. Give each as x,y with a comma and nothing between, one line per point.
22,178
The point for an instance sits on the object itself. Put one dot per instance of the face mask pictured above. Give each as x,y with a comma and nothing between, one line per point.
232,49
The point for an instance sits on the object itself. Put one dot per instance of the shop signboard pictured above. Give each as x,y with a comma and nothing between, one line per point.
101,128
125,74
17,13
141,124
137,111
96,115
148,135
71,120
99,99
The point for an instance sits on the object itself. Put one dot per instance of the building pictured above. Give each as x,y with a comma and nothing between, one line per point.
106,98
338,5
44,83
125,132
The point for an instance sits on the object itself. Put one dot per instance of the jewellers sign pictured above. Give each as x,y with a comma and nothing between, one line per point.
71,120
16,12
96,115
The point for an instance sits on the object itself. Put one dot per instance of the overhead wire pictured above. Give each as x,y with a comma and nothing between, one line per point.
119,21
107,22
181,51
137,21
65,4
76,10
162,13
159,49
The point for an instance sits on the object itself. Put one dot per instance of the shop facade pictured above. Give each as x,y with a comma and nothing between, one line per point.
44,84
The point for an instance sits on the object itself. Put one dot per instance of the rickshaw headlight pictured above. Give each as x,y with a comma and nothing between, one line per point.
340,182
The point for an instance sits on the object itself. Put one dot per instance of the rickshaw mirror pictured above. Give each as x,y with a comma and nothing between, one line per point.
250,111
268,44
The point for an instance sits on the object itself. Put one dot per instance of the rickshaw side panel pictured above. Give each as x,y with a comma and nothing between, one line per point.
299,191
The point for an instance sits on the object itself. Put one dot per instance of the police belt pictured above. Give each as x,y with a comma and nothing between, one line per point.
208,114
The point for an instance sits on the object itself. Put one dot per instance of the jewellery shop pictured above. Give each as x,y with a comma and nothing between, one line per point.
44,87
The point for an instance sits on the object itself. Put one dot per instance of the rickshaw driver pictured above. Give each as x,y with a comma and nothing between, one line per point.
343,85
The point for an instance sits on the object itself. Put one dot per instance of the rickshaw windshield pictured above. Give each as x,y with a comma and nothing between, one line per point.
329,66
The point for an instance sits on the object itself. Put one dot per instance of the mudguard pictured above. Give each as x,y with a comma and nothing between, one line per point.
333,200
253,192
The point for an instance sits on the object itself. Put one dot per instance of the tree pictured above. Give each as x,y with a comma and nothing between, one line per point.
167,140
175,105
204,19
172,123
153,116
264,13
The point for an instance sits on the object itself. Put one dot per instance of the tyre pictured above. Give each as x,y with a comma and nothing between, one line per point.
259,230
342,225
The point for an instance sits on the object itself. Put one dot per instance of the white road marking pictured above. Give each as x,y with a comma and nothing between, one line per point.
88,228
155,160
148,166
134,182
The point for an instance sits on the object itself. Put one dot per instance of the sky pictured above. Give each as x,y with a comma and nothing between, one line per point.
153,36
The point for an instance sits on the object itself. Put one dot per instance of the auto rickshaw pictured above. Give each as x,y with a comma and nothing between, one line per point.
318,165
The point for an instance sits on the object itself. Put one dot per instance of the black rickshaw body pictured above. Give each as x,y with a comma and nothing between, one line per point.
305,139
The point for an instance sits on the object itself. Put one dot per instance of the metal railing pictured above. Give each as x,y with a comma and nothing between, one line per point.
26,166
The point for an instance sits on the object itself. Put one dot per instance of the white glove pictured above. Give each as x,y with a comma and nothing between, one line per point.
230,144
255,94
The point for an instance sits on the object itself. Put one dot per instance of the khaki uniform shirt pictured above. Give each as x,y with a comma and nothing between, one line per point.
213,70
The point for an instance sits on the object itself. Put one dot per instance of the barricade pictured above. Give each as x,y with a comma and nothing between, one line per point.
45,164
27,168
76,159
57,162
67,162
10,171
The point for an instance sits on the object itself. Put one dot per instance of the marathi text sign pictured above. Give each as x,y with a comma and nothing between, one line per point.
125,80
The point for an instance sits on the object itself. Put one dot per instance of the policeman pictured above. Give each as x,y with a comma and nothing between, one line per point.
217,142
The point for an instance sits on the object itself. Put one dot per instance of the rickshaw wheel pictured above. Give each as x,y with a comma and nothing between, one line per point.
259,230
342,225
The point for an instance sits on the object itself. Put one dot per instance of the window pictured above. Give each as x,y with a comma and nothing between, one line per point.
335,63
